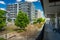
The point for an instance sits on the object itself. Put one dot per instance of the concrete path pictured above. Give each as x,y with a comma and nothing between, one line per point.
50,34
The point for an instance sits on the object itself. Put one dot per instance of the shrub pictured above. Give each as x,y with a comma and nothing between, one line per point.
39,20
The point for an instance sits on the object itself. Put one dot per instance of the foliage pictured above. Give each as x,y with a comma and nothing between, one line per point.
39,20
2,19
9,20
22,19
34,22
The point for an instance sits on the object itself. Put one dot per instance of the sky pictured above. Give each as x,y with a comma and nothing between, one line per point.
37,3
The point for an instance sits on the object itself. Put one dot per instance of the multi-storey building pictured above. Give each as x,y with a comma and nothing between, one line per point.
26,7
12,11
38,14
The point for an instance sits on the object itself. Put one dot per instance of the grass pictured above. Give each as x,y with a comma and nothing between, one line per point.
20,31
2,39
30,30
39,25
12,27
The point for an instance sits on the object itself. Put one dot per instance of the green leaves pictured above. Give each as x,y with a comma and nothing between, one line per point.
2,19
2,12
39,20
22,20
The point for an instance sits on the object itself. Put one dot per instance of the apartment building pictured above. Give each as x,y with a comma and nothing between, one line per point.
26,7
38,14
12,11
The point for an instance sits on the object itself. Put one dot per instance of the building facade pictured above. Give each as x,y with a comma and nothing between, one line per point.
52,11
12,11
26,7
38,14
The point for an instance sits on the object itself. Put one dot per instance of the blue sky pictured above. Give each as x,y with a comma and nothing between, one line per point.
36,3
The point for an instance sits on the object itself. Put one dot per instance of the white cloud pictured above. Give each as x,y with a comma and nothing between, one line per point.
2,2
18,0
31,0
40,11
2,9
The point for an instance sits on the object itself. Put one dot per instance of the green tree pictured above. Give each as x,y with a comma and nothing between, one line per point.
22,20
2,19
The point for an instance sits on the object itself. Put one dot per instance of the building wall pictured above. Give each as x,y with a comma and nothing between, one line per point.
12,11
52,7
38,14
27,7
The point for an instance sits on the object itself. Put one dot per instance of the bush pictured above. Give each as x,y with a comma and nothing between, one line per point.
39,20
34,22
